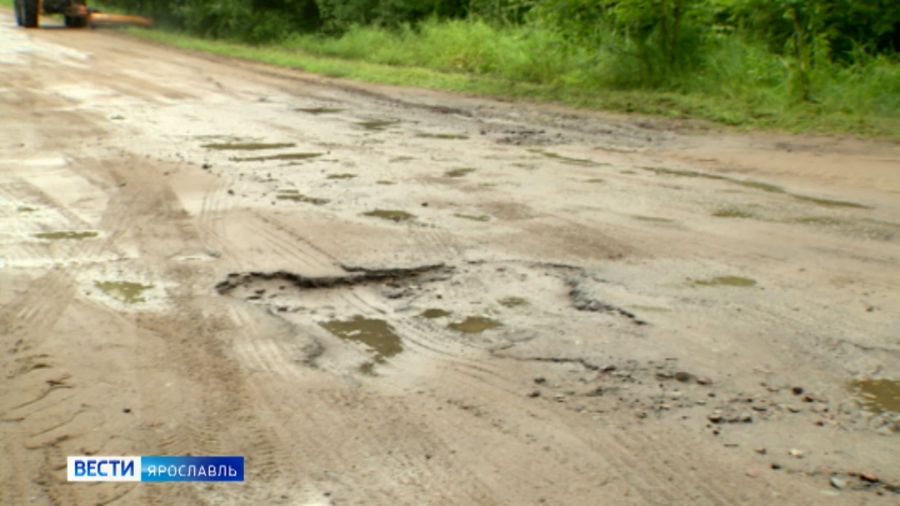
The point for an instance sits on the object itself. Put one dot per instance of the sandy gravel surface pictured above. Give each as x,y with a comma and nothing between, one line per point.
393,296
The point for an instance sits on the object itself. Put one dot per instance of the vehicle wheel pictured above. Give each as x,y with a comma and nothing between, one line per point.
30,13
18,8
76,21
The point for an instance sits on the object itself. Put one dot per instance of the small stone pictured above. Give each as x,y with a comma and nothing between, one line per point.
534,393
797,390
704,380
775,466
715,417
794,452
869,477
808,398
540,380
745,417
752,472
838,483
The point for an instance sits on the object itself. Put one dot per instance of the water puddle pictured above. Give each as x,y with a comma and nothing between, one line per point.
448,137
26,209
319,110
475,325
460,172
733,212
341,176
434,313
283,156
473,217
64,235
569,160
124,291
377,125
829,202
390,214
726,281
296,196
653,219
248,146
878,395
512,302
376,334
385,182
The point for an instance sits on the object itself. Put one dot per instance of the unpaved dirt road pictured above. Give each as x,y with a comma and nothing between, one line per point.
394,296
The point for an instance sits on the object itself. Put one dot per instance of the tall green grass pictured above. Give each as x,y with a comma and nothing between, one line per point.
737,82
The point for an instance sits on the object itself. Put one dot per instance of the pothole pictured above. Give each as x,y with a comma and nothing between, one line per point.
319,110
460,172
67,235
391,215
279,157
475,325
736,281
128,292
248,146
377,335
435,313
878,395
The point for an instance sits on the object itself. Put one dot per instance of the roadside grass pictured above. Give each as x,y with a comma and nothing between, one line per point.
741,85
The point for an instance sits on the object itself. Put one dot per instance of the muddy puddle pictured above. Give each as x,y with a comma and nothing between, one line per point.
127,292
295,196
512,302
733,212
653,219
475,325
385,182
434,313
248,146
569,160
473,217
319,110
26,209
878,395
377,125
829,203
460,172
391,215
280,157
345,175
377,335
735,281
67,235
446,137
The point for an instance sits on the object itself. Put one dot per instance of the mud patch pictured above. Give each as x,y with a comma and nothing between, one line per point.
595,180
127,292
460,172
377,335
67,235
475,325
394,215
26,209
434,313
341,176
735,281
880,395
248,146
281,157
385,182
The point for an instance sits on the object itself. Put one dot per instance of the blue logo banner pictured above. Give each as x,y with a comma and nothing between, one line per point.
161,468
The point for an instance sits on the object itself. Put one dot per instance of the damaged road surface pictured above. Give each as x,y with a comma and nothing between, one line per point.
395,296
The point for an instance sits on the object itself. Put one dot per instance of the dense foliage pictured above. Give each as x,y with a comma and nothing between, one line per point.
766,55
